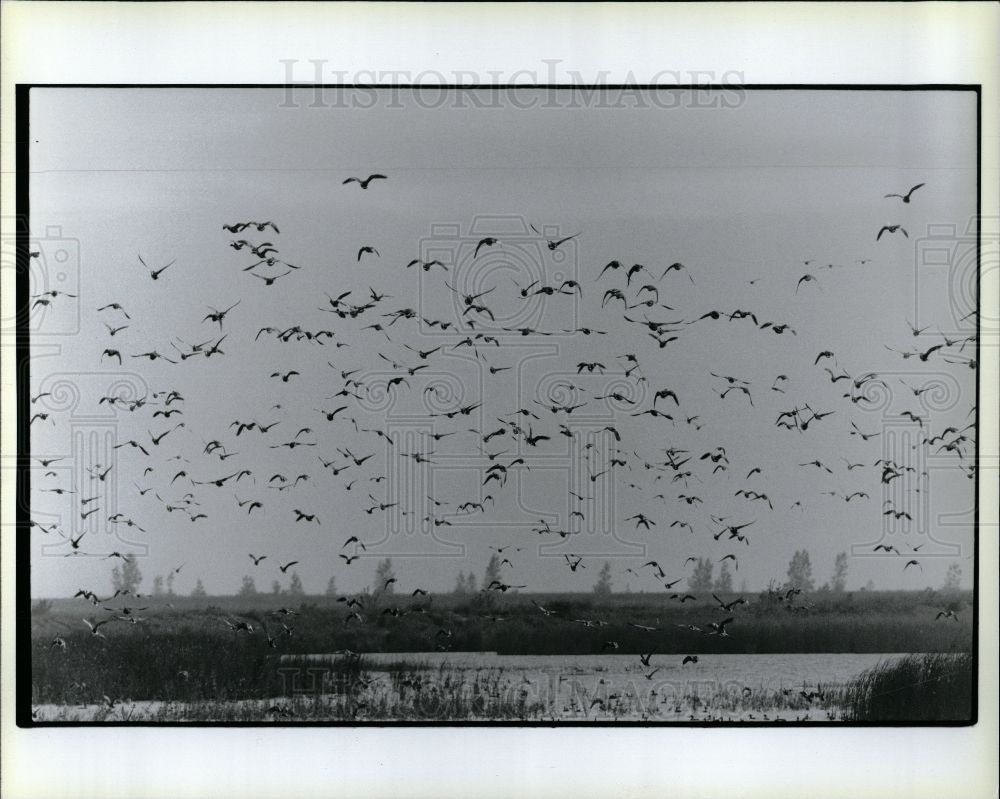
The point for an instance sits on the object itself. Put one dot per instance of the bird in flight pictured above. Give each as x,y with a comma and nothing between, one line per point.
115,307
155,273
216,315
95,626
364,182
634,270
269,281
612,265
664,394
426,265
676,267
489,241
554,244
262,226
892,229
744,389
719,627
906,197
916,330
806,279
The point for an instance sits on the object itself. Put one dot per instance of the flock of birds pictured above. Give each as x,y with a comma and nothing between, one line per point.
173,465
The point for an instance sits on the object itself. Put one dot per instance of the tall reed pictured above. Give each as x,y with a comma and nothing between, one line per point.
932,687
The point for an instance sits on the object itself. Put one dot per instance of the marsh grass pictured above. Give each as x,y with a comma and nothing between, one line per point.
931,687
859,622
351,692
184,656
355,689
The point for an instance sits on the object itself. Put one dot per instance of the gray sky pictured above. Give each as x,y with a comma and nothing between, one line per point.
736,194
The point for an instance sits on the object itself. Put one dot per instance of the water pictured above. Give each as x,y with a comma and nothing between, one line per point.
774,671
730,687
556,687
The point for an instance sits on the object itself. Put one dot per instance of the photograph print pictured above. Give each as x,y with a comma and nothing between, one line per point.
473,406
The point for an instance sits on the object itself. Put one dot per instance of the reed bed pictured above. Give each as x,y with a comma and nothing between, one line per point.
185,654
930,687
348,691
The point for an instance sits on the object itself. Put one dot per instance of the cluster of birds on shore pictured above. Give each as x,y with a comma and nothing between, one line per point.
173,464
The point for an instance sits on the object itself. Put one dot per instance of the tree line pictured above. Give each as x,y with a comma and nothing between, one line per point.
128,577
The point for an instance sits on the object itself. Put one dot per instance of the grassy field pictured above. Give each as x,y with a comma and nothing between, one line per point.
183,650
933,687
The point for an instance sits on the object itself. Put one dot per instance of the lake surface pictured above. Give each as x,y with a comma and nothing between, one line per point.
438,686
769,671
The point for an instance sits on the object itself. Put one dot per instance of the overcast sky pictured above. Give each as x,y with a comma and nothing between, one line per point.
743,197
